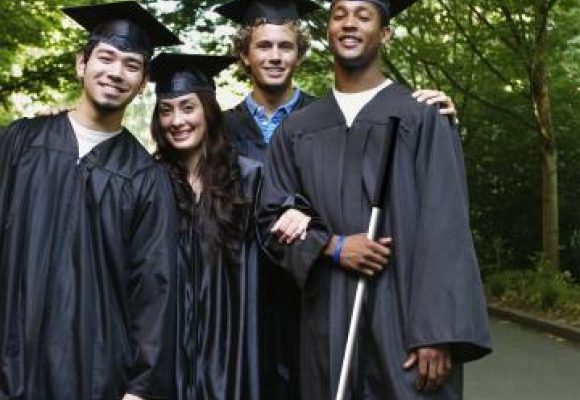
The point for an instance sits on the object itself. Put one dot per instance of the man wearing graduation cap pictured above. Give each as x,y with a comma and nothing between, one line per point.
87,239
424,313
270,44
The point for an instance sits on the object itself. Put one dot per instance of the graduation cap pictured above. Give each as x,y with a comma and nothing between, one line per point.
246,12
391,7
177,74
125,25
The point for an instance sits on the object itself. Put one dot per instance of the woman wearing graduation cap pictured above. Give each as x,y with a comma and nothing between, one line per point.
215,192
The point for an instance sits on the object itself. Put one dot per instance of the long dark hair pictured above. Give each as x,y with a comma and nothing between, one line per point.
221,211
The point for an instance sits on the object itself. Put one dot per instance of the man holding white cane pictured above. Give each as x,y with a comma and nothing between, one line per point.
424,314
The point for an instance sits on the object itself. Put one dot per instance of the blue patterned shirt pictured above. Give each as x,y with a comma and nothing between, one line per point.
269,125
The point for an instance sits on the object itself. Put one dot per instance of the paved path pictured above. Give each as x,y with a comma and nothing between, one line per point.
524,366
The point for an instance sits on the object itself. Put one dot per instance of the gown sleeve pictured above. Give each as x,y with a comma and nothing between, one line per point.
447,301
281,191
152,286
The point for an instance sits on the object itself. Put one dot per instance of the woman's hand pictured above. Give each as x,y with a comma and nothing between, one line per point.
291,225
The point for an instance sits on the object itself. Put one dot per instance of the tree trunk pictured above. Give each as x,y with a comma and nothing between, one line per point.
543,115
550,220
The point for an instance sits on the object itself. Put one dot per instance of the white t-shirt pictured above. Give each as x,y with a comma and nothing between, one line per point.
351,103
87,139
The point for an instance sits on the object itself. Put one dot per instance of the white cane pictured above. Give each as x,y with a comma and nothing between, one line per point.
382,189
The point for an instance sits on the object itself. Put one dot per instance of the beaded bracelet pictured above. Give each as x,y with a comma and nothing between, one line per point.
338,249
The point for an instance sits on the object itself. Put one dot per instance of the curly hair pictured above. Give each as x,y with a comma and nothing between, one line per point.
221,211
243,38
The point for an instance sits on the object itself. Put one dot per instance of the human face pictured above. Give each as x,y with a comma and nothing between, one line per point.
183,122
111,78
355,33
272,57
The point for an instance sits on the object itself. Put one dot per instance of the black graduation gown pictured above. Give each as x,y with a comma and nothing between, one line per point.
217,310
279,297
87,267
431,291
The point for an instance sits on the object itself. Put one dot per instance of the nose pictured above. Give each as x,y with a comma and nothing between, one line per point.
115,70
275,54
177,119
349,21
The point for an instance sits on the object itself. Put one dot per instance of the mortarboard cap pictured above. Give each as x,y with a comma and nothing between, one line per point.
125,25
246,12
177,74
391,7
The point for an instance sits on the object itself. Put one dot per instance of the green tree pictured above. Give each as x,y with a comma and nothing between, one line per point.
36,53
497,58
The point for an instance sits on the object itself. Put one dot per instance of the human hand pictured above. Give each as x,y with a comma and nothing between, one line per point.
429,96
433,366
291,225
363,255
54,110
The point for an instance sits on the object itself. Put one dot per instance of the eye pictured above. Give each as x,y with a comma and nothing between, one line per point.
338,14
365,17
133,67
287,46
165,111
263,45
189,107
105,59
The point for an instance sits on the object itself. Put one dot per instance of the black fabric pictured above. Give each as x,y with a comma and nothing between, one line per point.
218,318
431,291
279,297
391,8
177,74
247,12
246,135
87,267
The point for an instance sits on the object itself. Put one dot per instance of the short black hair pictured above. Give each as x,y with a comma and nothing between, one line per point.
88,48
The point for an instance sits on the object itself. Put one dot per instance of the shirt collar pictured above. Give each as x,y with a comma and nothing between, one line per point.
288,107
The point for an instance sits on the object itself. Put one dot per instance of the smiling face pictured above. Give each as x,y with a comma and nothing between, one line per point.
356,32
272,56
182,119
111,78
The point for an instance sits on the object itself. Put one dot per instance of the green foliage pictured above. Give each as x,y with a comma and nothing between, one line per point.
36,53
481,56
309,75
541,290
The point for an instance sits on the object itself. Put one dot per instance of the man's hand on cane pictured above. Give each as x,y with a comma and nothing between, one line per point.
358,253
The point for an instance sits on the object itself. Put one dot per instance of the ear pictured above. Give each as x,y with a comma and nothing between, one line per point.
386,35
245,59
81,65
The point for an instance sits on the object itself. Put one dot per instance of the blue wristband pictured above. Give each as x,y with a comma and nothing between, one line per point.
338,249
